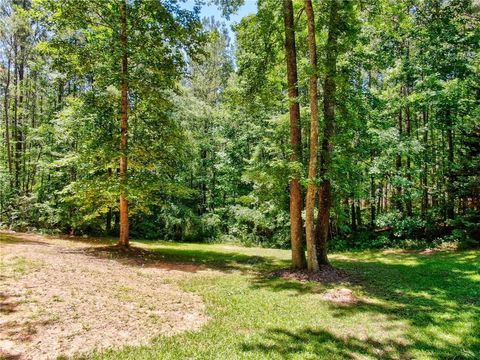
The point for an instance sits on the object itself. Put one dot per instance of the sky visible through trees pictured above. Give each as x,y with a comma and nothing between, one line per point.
326,125
217,179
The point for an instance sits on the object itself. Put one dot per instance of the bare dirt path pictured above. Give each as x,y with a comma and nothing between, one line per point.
56,298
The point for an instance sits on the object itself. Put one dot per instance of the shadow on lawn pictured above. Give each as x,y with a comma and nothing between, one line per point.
323,344
180,259
6,239
435,294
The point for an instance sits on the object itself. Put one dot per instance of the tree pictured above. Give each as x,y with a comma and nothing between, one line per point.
296,202
329,92
120,32
312,164
124,237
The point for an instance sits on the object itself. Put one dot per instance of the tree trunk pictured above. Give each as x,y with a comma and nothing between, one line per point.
15,130
124,236
329,90
296,204
312,261
358,213
372,202
108,224
398,164
353,216
450,201
6,105
425,166
408,130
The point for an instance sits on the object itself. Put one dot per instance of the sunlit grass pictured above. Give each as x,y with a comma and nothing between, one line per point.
413,306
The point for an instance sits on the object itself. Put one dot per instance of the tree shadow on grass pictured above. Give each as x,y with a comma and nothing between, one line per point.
9,239
322,344
181,259
168,256
318,344
438,296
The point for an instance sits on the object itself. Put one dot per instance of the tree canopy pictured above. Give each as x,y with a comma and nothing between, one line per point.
323,124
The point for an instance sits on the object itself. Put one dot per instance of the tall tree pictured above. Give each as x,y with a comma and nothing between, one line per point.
296,202
329,93
124,236
312,258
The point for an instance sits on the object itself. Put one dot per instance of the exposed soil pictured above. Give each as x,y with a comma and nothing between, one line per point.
340,296
326,275
58,298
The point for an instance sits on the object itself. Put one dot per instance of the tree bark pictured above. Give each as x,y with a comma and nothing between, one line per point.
398,165
358,213
408,130
372,202
312,260
450,201
425,165
296,203
6,105
353,216
124,225
329,91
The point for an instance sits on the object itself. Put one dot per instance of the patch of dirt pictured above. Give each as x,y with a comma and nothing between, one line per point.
326,275
429,251
340,296
66,301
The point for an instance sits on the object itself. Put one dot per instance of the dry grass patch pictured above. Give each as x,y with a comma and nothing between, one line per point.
76,303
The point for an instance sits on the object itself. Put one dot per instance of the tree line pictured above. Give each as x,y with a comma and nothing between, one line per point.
347,123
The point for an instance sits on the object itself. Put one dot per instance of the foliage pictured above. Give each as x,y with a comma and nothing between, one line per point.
208,138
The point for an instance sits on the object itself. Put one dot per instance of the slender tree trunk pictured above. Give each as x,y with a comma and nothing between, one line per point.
124,236
353,216
398,164
450,201
372,201
15,130
358,213
296,204
425,165
435,168
312,260
108,224
6,105
408,130
329,91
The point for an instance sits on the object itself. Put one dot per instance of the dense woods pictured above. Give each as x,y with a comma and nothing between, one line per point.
348,123
239,179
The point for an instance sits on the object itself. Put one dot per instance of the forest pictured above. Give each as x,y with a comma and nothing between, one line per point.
336,137
366,119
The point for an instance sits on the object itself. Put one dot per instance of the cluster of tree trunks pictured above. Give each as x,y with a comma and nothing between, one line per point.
316,236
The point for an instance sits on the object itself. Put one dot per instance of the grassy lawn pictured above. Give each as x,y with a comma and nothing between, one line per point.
419,306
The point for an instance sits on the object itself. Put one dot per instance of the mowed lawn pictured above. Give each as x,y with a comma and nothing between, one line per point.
412,306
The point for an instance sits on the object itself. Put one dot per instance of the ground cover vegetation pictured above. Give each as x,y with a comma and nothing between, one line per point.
349,122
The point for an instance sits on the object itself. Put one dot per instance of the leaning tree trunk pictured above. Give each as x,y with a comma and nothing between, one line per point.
329,90
124,238
312,260
296,204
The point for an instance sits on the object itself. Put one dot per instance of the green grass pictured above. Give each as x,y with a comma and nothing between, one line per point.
17,266
414,306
